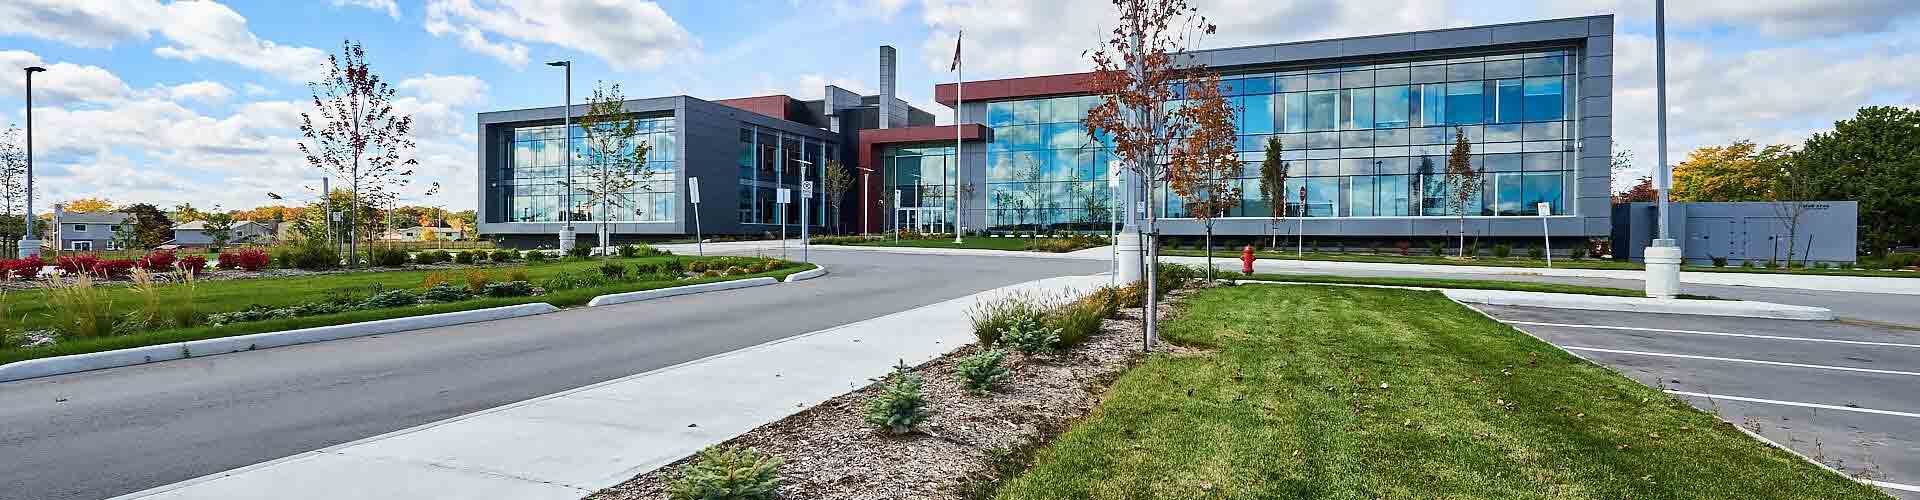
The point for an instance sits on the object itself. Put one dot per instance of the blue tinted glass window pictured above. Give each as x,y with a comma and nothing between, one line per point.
1323,81
1360,196
1064,109
1541,66
1231,87
1360,108
1507,101
1356,79
1549,187
1544,99
1256,85
1065,135
1394,191
1323,194
1465,103
1294,83
1429,74
1321,109
1433,104
1295,106
1390,107
1027,111
999,113
1256,115
1465,71
1511,193
1503,69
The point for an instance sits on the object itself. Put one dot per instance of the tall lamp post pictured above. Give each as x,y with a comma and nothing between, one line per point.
1663,258
866,197
566,212
30,242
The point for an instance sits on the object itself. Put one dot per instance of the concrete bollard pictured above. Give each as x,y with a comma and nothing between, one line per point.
1663,271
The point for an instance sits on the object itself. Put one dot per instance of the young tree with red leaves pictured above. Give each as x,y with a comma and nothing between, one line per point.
1203,166
358,136
1137,74
1463,182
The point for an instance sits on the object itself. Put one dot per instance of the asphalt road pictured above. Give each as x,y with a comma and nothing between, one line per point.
1840,393
110,432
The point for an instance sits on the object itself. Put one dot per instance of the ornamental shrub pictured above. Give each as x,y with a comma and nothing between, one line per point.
1502,250
537,256
1719,261
113,269
75,264
674,266
467,257
192,263
477,280
159,261
580,251
629,251
390,298
613,271
1437,248
728,473
697,266
509,289
1578,252
1031,337
980,371
1078,320
254,259
991,318
445,292
312,255
737,270
899,406
504,255
21,269
389,257
1901,260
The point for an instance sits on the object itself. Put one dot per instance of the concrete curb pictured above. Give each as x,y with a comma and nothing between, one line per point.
661,293
1736,308
817,271
35,368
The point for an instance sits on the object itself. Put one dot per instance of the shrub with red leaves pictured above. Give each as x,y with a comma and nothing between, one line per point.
159,261
193,263
113,269
75,264
251,259
21,269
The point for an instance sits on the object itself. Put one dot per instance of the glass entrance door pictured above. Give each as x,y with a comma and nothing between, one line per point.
923,220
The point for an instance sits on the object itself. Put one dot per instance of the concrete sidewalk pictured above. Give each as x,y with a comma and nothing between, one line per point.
1733,308
572,443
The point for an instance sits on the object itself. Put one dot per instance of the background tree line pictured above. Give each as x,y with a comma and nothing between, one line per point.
1872,158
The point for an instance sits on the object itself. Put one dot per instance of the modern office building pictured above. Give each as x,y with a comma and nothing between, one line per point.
1366,125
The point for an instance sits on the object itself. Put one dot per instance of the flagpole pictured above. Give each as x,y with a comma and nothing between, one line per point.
959,80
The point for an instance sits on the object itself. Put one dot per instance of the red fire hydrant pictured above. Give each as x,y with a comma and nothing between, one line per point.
1246,260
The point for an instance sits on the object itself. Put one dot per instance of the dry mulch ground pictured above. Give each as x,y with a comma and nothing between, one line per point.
831,452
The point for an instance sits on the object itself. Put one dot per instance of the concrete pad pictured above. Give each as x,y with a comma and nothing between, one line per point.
1739,308
326,476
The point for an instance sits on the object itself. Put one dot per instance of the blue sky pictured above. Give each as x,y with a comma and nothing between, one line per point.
171,102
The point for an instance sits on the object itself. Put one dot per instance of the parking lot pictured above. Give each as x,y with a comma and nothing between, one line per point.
1845,394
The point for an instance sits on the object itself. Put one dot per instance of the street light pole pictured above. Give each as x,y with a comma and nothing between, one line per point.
566,148
806,191
866,197
29,243
1663,258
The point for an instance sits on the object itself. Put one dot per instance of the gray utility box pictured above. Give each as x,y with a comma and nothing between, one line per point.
1757,232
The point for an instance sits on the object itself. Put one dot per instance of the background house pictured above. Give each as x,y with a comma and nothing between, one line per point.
246,232
88,231
419,233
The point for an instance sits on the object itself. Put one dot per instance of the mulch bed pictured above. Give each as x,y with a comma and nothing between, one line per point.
831,452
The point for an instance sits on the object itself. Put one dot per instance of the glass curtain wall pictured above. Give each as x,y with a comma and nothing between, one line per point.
533,182
922,175
1043,171
769,160
1364,140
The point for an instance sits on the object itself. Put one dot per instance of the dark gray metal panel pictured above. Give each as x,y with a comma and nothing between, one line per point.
1600,45
1239,56
1374,45
1564,29
1599,66
1596,127
1596,107
1600,25
1596,86
1595,166
1306,51
1453,39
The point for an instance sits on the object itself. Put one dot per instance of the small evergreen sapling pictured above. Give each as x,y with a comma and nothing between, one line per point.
980,371
900,405
1031,336
729,473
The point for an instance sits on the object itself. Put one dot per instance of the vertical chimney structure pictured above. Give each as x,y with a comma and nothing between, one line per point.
886,86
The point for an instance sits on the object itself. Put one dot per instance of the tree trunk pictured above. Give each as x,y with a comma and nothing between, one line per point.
1209,244
1463,237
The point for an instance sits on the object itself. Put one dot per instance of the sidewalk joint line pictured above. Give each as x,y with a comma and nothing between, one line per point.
1739,360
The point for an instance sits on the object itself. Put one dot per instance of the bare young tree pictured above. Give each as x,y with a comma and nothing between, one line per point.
1273,185
835,182
1137,74
13,171
1463,182
1204,169
357,135
618,159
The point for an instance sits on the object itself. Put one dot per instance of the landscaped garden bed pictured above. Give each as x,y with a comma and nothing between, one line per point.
73,314
866,444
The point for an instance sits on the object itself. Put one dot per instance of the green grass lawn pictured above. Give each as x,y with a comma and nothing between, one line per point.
1340,392
233,295
1522,262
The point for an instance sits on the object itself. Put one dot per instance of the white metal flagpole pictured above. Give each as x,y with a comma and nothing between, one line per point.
959,80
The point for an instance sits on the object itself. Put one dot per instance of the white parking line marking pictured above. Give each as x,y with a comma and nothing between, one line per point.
1738,360
1720,334
1894,486
1796,403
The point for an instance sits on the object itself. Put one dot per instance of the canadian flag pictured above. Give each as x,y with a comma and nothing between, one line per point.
956,51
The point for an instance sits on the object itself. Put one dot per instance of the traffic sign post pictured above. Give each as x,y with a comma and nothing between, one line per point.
1546,242
806,245
693,194
785,197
